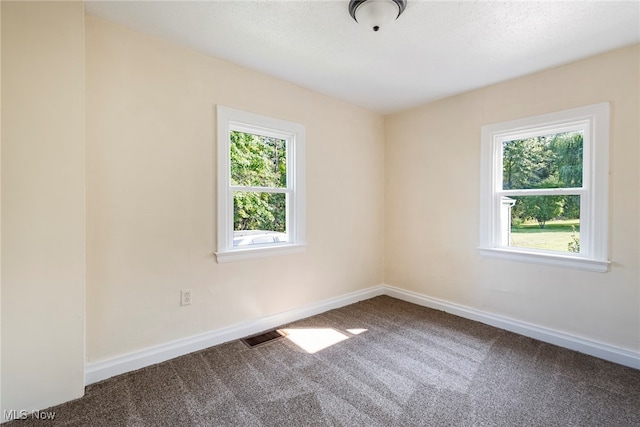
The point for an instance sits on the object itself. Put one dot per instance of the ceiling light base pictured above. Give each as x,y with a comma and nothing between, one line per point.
376,13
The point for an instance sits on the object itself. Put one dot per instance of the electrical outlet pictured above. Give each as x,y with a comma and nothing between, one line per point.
185,297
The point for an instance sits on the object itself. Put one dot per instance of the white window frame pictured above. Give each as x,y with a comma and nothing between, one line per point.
228,120
593,120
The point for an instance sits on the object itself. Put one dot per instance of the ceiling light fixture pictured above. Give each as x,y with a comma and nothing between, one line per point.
376,13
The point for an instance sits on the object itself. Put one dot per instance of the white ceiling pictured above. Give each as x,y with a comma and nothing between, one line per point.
434,50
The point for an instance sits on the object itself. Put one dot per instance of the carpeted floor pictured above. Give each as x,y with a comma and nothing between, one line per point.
397,364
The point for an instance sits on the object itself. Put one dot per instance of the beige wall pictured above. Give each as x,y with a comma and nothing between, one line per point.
432,162
150,109
43,216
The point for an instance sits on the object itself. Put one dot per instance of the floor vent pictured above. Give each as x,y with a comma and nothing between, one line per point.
263,338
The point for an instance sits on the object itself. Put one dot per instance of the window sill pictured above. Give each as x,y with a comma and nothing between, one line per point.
244,254
555,260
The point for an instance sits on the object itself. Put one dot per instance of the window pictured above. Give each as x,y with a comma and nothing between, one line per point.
260,186
544,189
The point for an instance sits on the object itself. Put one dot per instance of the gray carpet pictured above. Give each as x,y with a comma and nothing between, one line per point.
413,366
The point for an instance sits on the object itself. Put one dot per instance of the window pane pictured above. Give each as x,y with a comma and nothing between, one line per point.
541,222
258,161
550,161
259,218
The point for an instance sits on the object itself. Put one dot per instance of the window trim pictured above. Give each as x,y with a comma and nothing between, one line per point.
594,191
229,119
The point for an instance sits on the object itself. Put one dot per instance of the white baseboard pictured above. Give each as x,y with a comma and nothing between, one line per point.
102,370
99,371
593,348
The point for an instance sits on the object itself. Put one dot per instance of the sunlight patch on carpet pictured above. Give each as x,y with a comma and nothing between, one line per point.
313,340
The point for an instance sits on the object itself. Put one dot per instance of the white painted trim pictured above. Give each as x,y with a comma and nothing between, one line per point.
544,258
593,120
244,254
593,348
102,370
229,119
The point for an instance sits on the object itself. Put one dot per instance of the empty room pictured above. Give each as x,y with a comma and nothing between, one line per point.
330,212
